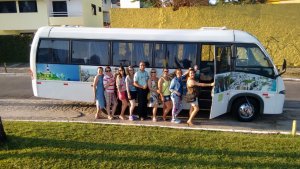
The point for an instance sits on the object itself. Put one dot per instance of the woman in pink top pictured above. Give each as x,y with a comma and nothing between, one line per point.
121,88
110,97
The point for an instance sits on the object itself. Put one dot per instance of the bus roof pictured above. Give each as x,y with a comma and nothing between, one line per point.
182,35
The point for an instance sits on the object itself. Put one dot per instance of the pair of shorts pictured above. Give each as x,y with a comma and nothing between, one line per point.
110,98
133,95
194,103
167,98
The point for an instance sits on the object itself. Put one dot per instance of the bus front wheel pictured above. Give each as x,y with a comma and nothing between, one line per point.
245,109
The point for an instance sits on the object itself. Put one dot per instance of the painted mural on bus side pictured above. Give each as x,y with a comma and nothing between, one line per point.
57,72
243,81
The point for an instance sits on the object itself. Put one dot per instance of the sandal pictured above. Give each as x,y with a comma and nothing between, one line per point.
121,117
97,116
190,124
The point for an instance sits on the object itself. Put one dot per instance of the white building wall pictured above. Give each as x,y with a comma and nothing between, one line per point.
130,4
74,7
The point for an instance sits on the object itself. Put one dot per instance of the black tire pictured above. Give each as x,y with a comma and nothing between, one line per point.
245,109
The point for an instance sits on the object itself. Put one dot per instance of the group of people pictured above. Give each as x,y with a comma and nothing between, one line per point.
146,89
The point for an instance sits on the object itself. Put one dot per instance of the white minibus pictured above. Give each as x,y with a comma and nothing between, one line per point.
64,60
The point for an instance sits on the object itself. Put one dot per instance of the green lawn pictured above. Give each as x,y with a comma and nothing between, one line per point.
74,145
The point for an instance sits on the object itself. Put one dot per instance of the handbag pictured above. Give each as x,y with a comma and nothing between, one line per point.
190,97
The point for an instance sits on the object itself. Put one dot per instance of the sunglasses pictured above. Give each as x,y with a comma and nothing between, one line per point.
166,71
153,72
107,70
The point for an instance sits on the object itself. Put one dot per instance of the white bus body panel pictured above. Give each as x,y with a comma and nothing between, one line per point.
66,90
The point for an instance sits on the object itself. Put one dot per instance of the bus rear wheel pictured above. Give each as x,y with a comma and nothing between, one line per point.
245,109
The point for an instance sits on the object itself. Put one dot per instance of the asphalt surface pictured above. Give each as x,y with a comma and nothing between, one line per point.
18,103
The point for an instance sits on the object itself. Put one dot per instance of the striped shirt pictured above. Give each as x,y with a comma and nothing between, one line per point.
107,79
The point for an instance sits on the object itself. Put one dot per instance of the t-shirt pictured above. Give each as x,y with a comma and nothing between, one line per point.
107,79
130,83
141,77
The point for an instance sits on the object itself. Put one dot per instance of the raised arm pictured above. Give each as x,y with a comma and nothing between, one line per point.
203,84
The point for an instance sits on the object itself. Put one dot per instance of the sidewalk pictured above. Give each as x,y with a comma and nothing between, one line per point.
48,110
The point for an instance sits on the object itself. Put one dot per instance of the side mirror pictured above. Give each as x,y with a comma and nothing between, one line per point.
283,68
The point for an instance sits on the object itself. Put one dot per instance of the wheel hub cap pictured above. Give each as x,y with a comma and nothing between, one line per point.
246,110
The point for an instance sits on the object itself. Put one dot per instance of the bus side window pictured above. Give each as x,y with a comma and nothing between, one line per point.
122,53
44,53
160,56
251,59
223,59
181,55
207,62
86,52
60,51
142,52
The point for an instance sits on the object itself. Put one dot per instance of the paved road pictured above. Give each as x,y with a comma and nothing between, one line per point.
17,102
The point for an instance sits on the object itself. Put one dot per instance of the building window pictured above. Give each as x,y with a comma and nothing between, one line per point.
94,12
60,8
8,7
27,6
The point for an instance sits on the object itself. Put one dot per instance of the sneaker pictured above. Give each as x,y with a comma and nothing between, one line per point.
154,119
131,118
135,117
177,121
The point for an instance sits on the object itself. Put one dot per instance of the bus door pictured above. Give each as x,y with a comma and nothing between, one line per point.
222,69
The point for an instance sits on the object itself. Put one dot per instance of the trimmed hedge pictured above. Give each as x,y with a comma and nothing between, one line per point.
15,48
276,26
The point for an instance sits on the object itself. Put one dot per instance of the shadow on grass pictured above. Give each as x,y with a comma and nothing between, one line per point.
141,154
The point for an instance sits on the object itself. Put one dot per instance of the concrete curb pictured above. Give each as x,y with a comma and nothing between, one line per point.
14,74
291,79
162,126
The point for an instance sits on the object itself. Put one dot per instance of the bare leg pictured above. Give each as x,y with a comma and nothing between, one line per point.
154,111
97,115
193,114
124,106
114,108
108,103
167,109
190,112
132,106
